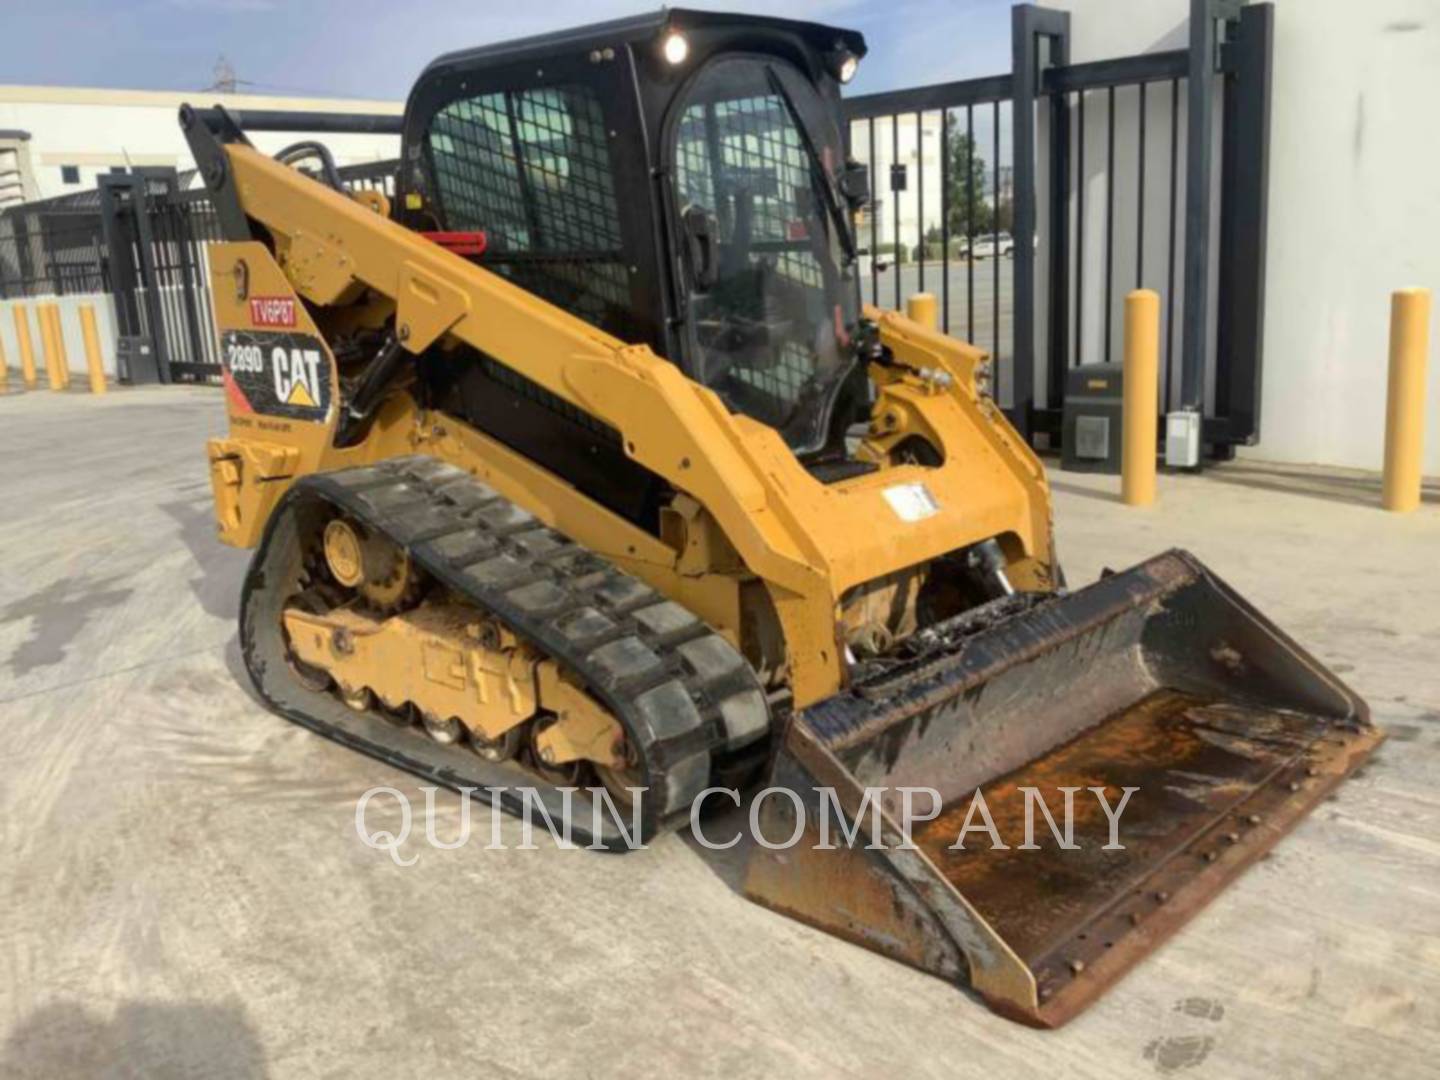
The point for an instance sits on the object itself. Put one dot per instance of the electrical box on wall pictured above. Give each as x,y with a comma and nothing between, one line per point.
1091,428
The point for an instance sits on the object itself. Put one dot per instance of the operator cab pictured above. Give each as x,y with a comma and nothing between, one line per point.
677,180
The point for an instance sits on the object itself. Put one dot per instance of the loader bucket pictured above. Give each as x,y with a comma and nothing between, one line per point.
1159,679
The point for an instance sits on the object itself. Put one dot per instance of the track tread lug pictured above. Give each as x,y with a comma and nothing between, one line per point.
540,598
461,549
622,593
502,571
502,516
585,624
538,543
466,495
624,660
667,620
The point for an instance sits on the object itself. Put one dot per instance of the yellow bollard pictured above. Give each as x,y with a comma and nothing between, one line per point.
1405,404
52,349
64,357
922,309
1142,397
92,349
27,352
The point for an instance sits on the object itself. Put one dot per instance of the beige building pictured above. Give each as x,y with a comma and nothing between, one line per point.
922,180
55,140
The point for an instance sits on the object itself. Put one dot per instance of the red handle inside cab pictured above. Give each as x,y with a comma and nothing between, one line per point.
461,243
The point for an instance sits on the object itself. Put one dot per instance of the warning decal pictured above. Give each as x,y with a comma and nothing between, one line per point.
911,502
278,374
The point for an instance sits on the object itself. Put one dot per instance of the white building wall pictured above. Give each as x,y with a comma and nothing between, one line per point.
917,143
98,130
1354,205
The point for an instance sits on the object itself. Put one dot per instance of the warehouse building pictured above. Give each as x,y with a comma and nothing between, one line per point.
57,140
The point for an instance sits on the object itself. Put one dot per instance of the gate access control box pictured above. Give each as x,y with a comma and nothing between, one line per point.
1091,426
135,361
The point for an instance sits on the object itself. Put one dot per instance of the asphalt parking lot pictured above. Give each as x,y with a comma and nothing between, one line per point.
185,893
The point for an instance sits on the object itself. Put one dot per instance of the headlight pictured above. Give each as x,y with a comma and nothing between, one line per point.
849,64
676,48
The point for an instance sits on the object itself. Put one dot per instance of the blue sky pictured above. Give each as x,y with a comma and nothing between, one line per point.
375,48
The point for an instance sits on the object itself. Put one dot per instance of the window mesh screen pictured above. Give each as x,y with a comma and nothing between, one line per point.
532,169
763,172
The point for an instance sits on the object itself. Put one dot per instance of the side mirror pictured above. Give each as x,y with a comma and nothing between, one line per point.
699,226
855,184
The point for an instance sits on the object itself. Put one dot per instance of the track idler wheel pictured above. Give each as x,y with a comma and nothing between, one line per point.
370,564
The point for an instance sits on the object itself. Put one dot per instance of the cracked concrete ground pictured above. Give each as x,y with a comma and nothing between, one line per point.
183,892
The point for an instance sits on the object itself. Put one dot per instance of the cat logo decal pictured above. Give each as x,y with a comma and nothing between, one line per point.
277,374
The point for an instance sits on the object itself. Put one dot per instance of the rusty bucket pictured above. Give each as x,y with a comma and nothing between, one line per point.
1161,680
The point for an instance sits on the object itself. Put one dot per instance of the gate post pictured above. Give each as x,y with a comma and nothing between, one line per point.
1205,18
171,220
132,259
1029,23
120,251
1244,200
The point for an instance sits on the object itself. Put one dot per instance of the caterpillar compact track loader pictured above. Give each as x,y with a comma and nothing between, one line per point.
580,465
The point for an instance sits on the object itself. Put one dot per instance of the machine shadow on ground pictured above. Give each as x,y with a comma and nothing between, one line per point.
143,1038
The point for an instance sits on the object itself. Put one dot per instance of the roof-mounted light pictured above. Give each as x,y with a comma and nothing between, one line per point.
675,48
849,64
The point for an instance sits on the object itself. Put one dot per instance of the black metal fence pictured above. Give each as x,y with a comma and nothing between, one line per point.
157,231
52,248
940,221
372,176
1049,185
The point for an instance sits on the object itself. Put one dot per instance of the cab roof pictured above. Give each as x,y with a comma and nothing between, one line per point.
639,28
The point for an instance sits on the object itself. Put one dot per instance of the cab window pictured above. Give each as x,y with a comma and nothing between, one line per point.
531,168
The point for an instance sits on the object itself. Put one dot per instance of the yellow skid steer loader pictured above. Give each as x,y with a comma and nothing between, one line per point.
576,463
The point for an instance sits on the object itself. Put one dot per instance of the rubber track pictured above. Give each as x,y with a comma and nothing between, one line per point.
683,694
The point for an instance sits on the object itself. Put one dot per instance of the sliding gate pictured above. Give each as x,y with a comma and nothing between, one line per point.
155,233
1107,169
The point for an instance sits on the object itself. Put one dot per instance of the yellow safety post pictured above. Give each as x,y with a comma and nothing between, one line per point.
1142,397
27,352
92,349
922,308
59,318
52,348
1405,405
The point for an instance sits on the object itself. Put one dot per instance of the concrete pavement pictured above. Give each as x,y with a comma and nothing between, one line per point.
184,893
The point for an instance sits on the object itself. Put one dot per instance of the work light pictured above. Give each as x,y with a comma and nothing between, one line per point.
676,48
